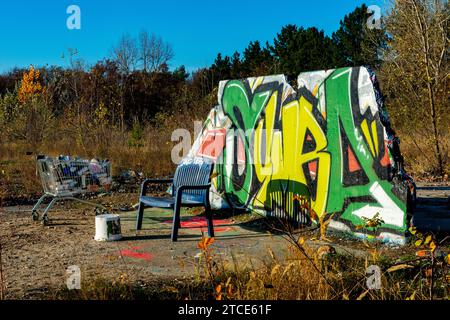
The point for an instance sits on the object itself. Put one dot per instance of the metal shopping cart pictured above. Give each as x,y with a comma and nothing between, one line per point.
63,178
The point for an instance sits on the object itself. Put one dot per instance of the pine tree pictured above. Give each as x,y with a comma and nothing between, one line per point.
357,44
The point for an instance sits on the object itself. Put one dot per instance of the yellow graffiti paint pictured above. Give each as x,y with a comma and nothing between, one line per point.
315,90
366,133
283,150
272,153
375,136
308,121
255,83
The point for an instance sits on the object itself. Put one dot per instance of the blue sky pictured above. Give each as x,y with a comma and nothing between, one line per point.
35,32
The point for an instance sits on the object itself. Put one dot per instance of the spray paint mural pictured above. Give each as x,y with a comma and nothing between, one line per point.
329,140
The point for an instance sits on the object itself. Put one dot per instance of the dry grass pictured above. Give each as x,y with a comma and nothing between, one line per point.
321,275
305,274
151,155
419,153
147,151
1,272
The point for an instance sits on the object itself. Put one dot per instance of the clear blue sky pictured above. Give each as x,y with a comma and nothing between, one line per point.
35,32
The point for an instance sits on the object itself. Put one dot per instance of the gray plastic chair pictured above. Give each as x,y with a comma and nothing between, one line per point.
190,188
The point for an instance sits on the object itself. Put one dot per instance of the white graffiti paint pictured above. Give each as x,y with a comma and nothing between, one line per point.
388,210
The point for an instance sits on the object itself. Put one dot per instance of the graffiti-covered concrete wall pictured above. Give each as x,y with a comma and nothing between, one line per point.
328,140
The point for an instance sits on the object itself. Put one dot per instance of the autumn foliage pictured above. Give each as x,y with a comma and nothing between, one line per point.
30,85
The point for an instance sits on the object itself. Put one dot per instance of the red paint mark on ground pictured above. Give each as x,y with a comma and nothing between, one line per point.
200,222
220,229
136,247
132,253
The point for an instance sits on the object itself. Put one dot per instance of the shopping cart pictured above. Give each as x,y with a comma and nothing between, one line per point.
63,178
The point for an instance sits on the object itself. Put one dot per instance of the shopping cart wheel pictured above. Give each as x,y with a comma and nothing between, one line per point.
45,220
35,215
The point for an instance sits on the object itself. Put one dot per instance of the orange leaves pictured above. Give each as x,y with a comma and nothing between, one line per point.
303,201
30,85
301,241
230,290
422,253
433,246
373,222
424,240
219,292
413,230
204,243
299,198
227,287
428,239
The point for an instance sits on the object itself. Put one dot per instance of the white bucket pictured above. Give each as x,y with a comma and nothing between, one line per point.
107,227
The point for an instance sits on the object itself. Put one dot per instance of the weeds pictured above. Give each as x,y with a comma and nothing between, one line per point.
101,289
324,274
307,272
2,293
1,273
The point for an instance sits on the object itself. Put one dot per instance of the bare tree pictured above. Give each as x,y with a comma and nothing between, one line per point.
126,54
416,68
154,52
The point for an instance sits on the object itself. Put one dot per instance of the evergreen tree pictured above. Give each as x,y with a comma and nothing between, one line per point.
298,49
221,69
357,44
257,61
180,73
236,66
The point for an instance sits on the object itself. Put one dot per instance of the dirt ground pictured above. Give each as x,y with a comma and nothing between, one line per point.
35,257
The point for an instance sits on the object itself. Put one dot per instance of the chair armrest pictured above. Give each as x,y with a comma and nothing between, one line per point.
180,189
155,181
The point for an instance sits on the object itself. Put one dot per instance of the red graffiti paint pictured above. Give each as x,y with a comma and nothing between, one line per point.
312,167
385,161
353,164
132,253
212,144
201,223
241,151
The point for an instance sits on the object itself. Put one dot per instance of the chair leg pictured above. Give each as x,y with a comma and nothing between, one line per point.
210,222
139,217
176,222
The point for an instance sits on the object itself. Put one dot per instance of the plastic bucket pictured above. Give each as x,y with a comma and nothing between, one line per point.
107,227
